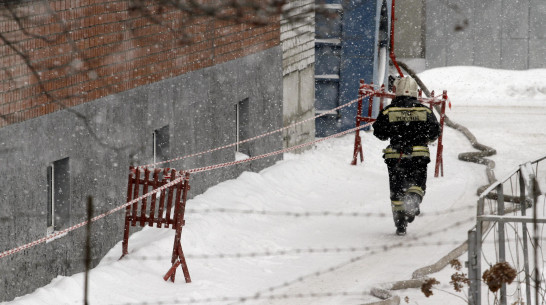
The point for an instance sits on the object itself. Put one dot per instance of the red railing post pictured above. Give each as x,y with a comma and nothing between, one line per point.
382,98
439,152
170,200
143,207
178,255
178,192
136,189
370,106
161,219
127,226
153,201
358,140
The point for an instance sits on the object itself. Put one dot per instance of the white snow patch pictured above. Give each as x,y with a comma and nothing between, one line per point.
267,253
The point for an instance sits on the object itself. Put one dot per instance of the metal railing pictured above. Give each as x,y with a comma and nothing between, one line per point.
501,235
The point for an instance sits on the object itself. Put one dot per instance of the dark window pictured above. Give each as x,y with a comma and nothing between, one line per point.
161,144
58,195
50,199
242,130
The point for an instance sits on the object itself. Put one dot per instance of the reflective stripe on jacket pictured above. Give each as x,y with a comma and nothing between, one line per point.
403,114
418,151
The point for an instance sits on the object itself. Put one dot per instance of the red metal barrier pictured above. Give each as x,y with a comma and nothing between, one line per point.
158,213
440,151
362,91
366,89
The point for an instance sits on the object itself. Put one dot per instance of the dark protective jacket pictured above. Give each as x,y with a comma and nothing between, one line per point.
407,123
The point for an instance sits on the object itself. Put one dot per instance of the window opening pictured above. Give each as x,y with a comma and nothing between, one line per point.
50,200
161,144
58,195
242,126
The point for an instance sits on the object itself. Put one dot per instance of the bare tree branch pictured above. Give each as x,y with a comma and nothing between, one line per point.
176,18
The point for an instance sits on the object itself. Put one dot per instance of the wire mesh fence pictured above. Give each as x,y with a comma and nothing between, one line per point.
505,257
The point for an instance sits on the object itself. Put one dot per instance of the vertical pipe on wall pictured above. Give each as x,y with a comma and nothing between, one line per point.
88,249
393,57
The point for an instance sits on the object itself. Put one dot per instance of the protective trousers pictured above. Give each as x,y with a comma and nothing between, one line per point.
407,178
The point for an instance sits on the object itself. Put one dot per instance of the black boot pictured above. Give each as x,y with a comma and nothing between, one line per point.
401,222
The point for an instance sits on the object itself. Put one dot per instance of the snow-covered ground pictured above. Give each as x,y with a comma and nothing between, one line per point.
313,229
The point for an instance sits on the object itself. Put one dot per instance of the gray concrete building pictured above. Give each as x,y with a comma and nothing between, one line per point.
53,162
86,151
501,34
410,33
298,46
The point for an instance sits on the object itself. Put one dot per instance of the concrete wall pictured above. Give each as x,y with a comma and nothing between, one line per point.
506,34
298,45
116,131
410,29
410,34
299,104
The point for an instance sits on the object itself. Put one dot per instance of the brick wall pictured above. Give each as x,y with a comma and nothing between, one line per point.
298,35
298,47
74,51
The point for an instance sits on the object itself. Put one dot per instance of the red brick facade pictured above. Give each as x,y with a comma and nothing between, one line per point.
81,50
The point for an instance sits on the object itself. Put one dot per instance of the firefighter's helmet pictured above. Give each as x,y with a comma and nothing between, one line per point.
406,86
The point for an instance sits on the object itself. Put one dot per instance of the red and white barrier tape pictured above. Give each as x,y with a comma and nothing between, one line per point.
211,167
260,136
174,182
81,224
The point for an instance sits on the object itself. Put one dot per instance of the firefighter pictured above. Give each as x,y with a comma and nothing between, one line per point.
410,126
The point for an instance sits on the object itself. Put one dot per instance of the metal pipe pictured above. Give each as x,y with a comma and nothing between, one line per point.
525,244
505,219
479,231
87,250
473,276
538,274
391,51
502,245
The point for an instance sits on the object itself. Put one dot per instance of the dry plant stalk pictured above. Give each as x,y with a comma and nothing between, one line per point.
458,279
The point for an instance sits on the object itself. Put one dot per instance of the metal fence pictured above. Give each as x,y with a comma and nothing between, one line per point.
510,227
